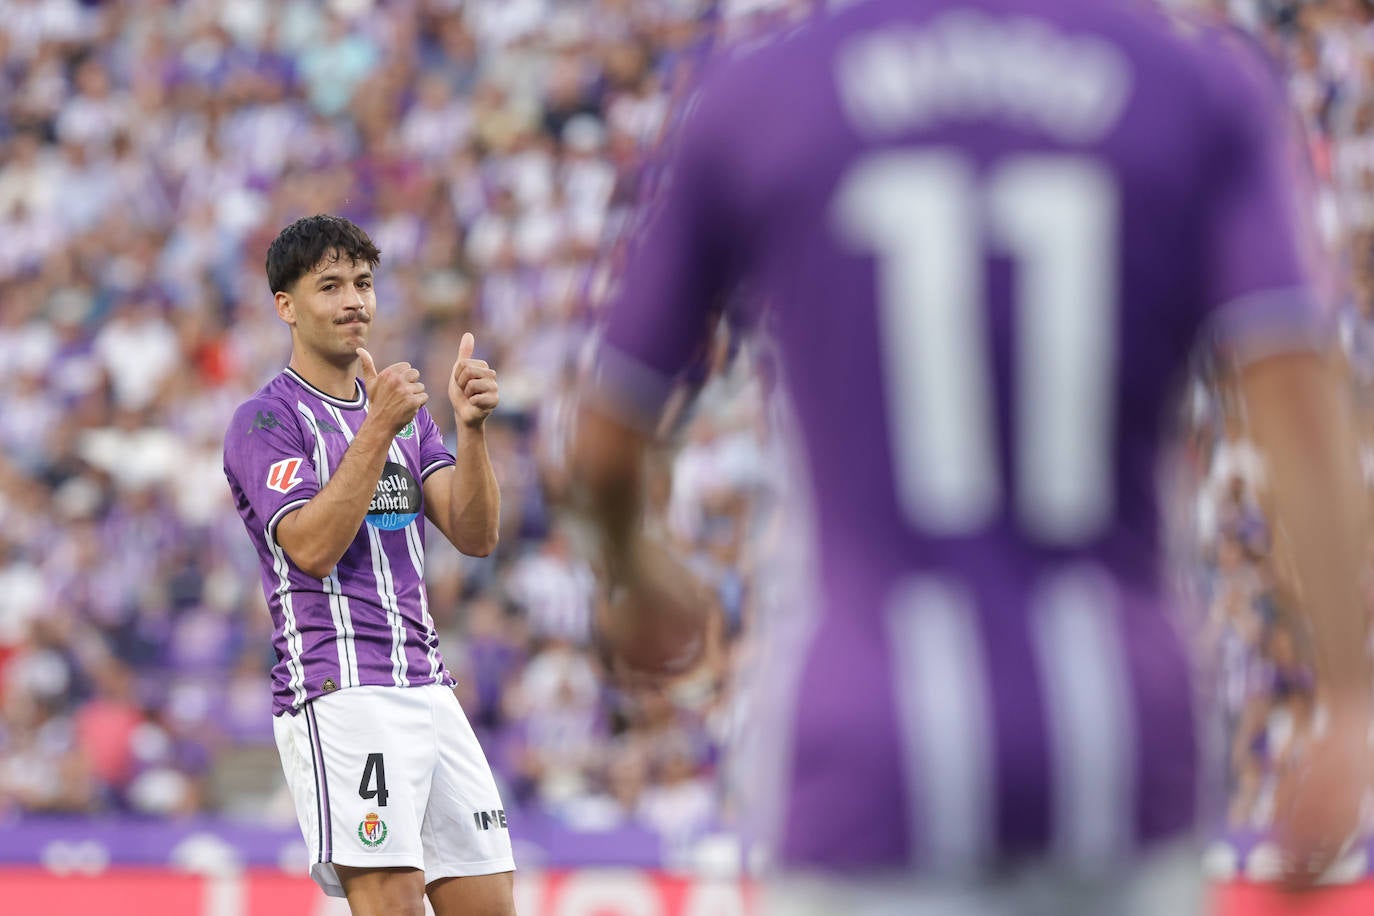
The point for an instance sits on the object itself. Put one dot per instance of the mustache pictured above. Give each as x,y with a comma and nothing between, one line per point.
360,315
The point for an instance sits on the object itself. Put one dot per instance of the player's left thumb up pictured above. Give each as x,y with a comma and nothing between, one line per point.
466,345
369,367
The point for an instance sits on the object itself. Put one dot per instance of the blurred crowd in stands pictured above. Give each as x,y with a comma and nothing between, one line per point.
150,150
494,150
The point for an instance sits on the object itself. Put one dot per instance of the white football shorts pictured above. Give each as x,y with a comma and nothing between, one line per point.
392,777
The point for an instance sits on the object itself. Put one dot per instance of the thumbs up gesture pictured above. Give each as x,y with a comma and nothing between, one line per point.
394,395
471,386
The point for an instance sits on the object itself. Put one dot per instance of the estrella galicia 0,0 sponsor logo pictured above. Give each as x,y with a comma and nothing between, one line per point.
396,501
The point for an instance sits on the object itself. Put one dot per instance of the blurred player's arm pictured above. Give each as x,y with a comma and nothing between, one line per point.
1301,422
659,617
316,535
464,501
659,328
1272,324
609,461
1300,419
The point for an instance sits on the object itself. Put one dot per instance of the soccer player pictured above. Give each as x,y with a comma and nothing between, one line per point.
990,234
332,463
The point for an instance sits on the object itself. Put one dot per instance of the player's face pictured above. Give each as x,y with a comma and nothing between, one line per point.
331,308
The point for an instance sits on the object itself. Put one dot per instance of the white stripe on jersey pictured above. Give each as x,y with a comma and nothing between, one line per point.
941,674
386,591
386,587
349,641
417,559
763,752
1083,669
290,632
344,639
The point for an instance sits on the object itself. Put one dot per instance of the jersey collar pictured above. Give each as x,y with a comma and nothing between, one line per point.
358,401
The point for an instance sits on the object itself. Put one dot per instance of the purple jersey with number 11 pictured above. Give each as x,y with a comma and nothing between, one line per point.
990,234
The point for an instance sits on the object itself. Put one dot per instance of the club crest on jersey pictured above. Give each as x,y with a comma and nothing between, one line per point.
281,476
396,501
407,431
372,830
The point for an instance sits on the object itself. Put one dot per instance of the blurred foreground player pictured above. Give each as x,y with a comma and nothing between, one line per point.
990,235
331,465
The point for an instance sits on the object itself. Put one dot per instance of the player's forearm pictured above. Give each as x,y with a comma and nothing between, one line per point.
475,502
316,536
607,469
1302,425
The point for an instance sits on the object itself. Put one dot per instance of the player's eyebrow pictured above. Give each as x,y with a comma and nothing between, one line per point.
336,277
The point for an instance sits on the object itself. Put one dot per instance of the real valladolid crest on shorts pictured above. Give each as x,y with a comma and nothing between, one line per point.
372,830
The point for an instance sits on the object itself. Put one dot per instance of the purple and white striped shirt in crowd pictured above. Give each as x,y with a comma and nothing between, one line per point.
991,233
367,623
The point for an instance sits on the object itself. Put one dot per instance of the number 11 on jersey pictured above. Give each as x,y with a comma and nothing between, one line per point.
931,222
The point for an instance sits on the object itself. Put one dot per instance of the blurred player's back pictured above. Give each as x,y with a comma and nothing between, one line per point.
977,331
991,234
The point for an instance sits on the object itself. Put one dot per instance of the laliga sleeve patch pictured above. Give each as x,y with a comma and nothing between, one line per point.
281,476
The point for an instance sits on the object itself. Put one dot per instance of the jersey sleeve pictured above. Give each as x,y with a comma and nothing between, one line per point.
1257,277
680,265
434,454
267,462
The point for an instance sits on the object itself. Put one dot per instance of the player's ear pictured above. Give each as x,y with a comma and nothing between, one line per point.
286,307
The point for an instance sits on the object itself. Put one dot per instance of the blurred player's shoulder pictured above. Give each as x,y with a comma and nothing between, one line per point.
1240,80
1219,41
1215,43
1227,73
1154,38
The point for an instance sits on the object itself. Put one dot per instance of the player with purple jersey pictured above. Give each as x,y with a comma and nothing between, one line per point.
333,475
291,434
991,234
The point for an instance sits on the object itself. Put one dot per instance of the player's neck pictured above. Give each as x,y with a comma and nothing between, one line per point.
334,380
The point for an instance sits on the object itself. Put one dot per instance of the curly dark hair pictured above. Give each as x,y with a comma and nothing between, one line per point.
303,244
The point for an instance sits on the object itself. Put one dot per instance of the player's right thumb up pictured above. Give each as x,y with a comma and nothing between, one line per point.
369,367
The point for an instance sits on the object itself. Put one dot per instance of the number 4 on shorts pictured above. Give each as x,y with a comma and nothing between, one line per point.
374,765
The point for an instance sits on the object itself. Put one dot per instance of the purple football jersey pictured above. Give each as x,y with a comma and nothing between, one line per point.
989,234
367,622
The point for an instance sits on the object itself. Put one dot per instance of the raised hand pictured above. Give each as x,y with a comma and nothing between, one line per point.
471,386
394,395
